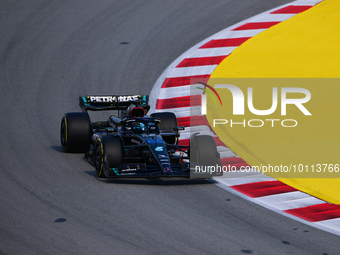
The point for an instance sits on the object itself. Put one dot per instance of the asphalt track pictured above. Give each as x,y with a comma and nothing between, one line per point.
51,52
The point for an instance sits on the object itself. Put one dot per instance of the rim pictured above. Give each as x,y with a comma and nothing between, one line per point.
62,133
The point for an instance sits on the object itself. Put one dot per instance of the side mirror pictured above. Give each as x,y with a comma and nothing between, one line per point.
179,128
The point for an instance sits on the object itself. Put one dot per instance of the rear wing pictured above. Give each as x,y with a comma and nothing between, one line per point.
101,103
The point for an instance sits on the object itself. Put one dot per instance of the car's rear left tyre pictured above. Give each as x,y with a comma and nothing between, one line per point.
109,153
75,132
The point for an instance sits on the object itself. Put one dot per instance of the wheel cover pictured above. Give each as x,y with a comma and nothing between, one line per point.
63,134
99,159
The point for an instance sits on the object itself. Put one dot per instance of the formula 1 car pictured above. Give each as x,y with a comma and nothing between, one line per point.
133,144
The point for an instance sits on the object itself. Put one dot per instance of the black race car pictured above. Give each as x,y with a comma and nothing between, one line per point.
133,144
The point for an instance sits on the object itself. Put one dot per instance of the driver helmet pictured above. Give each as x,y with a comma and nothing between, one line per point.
139,127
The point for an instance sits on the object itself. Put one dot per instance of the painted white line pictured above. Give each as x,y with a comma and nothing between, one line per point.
183,111
290,200
240,34
183,91
272,17
211,52
222,149
244,179
190,71
305,2
227,153
333,224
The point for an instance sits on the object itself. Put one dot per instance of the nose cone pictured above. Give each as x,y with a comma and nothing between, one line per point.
168,171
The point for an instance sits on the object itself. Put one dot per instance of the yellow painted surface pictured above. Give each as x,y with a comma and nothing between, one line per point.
288,55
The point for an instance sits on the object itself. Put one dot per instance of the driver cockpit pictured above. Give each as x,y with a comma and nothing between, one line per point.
140,126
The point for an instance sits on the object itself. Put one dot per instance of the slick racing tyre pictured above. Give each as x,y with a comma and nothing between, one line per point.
203,153
168,122
108,154
75,132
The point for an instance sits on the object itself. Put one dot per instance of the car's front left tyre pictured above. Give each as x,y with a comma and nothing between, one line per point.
108,154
